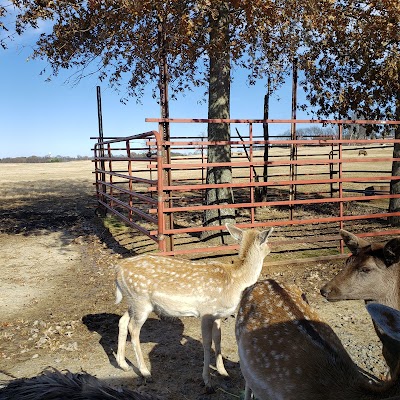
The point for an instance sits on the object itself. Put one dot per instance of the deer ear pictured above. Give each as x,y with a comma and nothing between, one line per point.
353,242
264,235
235,232
387,318
391,251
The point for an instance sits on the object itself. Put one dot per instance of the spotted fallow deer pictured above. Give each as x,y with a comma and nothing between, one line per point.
287,352
371,273
183,288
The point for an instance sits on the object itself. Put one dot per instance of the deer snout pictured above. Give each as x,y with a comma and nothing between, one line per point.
325,291
331,292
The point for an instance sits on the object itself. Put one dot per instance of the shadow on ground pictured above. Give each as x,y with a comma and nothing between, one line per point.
55,207
174,356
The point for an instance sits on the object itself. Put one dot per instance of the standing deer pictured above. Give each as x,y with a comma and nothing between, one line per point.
372,273
183,288
287,352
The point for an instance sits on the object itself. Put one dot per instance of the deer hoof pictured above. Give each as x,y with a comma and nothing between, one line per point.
125,366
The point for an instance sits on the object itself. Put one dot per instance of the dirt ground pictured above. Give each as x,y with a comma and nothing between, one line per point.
57,295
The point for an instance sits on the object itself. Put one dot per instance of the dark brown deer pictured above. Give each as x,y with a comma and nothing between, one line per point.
287,352
371,273
56,385
183,288
377,190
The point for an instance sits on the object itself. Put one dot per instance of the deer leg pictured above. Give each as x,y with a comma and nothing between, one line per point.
122,334
135,325
216,335
206,332
247,393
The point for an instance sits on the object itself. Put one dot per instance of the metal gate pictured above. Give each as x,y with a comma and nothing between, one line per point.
307,188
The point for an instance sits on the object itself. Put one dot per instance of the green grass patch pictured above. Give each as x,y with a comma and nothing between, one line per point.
302,254
115,225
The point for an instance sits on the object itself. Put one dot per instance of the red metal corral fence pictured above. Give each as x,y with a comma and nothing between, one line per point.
306,187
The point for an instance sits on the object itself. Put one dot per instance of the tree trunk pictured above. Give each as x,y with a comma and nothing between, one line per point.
394,204
219,107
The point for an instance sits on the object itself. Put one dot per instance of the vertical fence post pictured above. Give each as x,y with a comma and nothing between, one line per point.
101,151
293,136
202,165
128,153
150,169
331,168
252,172
341,183
162,246
264,189
97,175
110,169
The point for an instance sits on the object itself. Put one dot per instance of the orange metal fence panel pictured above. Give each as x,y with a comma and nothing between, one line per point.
327,190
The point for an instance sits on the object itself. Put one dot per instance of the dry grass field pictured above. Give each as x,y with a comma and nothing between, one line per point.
57,293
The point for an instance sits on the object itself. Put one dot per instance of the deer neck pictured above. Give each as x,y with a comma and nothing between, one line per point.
396,290
392,293
249,266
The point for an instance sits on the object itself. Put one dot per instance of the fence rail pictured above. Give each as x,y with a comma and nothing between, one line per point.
158,186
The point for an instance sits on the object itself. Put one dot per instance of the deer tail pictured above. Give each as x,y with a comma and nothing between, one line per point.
118,294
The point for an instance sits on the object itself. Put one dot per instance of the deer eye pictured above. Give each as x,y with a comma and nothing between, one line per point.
365,270
349,259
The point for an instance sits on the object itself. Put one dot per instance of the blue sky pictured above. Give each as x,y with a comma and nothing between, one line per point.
41,118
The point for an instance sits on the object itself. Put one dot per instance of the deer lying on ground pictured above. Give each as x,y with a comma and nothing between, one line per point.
55,385
287,352
183,288
372,273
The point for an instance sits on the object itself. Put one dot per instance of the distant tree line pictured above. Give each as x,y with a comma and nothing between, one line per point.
45,159
356,131
56,159
312,132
